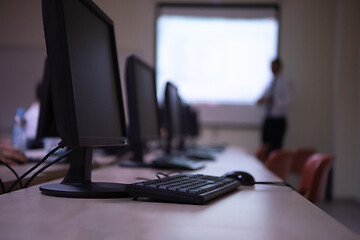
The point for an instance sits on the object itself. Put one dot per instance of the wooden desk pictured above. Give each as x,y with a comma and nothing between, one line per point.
260,212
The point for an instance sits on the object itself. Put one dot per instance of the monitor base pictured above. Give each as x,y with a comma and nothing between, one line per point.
134,164
86,190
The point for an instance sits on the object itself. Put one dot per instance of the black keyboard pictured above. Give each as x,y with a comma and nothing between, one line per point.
176,162
183,188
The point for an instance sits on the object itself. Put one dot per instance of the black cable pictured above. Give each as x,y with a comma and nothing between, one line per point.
142,179
60,145
2,186
159,174
45,167
284,184
13,171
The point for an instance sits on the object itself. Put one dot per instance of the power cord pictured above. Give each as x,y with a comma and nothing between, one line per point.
45,167
13,171
60,145
159,175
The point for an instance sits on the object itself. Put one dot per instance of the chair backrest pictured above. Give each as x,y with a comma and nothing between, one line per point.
314,176
279,162
261,152
300,155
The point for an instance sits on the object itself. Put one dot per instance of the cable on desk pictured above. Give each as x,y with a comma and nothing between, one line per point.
46,166
13,171
283,184
168,173
141,179
60,145
159,174
2,186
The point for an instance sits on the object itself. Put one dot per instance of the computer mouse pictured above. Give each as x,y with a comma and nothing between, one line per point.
245,178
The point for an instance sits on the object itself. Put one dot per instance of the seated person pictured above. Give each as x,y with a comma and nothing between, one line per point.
11,155
32,114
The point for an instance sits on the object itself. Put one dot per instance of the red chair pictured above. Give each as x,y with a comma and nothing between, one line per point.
261,152
279,162
314,176
300,156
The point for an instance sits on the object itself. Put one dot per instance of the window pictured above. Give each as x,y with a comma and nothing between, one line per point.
219,57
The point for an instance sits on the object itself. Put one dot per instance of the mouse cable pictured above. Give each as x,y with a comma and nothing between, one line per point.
2,187
13,171
60,145
46,166
284,184
159,174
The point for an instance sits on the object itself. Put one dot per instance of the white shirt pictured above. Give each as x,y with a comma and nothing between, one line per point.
282,96
32,118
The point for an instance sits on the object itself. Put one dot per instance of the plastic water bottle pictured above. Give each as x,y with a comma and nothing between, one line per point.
19,130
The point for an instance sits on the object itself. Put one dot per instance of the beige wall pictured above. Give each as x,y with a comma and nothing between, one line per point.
319,46
346,99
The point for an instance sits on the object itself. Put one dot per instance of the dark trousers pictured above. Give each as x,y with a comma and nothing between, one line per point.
273,132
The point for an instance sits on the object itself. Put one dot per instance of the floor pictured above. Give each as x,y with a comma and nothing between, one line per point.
345,211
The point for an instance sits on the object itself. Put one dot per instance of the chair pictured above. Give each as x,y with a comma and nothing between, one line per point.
314,176
279,162
300,155
261,152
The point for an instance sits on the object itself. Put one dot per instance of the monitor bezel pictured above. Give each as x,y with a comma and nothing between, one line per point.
172,137
77,183
133,110
61,77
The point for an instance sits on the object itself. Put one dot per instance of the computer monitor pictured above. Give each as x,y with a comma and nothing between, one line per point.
142,108
46,122
187,128
191,121
85,90
173,111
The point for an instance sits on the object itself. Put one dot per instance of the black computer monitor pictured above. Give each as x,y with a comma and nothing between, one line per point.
173,111
191,121
85,90
46,122
187,128
142,108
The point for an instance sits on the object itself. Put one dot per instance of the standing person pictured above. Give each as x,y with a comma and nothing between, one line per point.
276,99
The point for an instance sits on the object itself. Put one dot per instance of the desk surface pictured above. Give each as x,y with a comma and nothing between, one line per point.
260,212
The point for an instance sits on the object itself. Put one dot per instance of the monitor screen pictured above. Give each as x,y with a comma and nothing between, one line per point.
173,111
85,90
85,79
93,75
142,101
193,124
142,107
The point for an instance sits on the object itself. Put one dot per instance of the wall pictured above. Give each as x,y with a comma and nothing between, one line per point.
22,53
346,99
318,47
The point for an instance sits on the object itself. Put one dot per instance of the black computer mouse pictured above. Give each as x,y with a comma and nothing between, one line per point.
243,177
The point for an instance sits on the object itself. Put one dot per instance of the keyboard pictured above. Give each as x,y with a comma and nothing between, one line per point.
177,163
183,188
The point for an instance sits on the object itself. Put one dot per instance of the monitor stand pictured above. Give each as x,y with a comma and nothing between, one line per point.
137,160
77,183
